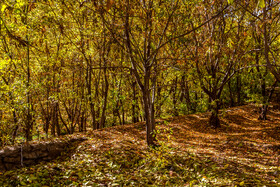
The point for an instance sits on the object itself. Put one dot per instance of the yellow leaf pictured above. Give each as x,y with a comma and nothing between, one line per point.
3,8
261,3
3,64
230,1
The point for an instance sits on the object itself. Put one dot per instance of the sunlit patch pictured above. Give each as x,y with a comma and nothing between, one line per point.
243,152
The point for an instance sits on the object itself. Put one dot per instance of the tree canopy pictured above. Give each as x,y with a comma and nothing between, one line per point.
70,66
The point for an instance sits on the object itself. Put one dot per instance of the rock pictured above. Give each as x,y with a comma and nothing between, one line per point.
8,151
2,167
27,148
43,154
10,157
10,166
48,158
40,147
29,155
29,162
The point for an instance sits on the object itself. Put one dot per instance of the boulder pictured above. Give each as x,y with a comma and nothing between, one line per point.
14,157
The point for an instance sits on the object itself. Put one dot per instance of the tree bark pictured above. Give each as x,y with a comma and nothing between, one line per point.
104,106
149,115
29,123
135,118
264,108
214,120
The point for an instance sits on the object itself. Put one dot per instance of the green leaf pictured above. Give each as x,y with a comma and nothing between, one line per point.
33,178
22,183
261,3
230,1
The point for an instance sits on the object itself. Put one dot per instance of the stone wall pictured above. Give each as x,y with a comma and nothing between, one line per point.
14,157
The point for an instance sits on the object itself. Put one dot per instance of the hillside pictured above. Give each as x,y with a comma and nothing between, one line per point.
244,152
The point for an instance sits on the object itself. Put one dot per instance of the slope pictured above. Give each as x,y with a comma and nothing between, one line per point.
244,152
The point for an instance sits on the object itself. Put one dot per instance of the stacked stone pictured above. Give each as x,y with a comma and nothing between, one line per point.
14,157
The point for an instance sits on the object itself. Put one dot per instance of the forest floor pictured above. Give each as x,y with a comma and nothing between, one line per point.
245,151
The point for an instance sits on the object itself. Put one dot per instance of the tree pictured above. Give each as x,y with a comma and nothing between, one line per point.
216,53
265,23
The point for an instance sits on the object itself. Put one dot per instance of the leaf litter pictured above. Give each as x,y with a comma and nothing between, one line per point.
243,152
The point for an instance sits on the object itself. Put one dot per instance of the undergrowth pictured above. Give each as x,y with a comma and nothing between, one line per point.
189,154
165,165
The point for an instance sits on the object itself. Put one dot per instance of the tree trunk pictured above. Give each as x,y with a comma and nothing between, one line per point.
105,95
214,120
56,121
91,103
47,125
135,118
47,113
231,94
238,89
272,69
150,126
145,83
264,108
16,125
53,122
174,98
186,93
29,123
